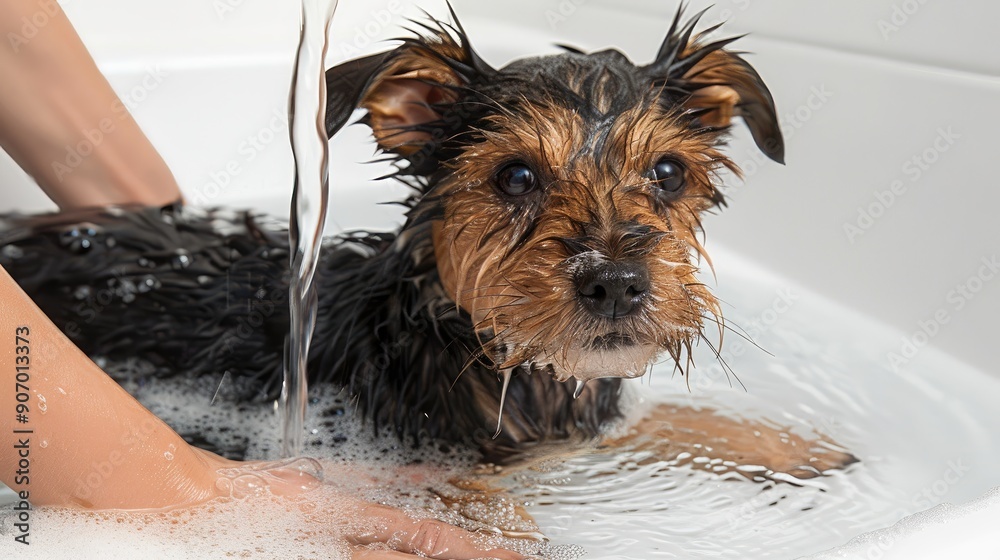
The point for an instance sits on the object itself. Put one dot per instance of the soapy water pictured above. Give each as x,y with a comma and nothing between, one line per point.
310,198
922,434
286,508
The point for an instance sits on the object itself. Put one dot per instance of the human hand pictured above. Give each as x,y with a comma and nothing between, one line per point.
373,531
99,449
403,537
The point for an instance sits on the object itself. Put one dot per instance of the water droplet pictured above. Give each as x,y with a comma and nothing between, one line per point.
12,252
181,261
503,397
43,444
81,292
145,263
204,280
148,283
124,288
224,486
168,456
78,239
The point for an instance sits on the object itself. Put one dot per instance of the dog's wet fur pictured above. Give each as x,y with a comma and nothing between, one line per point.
551,237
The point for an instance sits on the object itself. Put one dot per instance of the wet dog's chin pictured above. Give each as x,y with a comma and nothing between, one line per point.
627,361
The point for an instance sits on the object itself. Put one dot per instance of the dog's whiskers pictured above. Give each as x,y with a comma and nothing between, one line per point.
506,374
527,172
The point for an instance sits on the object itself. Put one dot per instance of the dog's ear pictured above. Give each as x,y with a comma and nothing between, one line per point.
718,85
726,86
406,91
346,84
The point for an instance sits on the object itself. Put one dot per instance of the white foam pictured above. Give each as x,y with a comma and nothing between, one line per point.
966,531
357,467
238,529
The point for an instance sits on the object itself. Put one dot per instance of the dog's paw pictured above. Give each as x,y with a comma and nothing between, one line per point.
756,449
485,507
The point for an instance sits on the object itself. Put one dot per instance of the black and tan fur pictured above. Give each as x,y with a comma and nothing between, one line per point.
423,326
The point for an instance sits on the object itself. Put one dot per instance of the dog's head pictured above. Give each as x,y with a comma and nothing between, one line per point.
564,191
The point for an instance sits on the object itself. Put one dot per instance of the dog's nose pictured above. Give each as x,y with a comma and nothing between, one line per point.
612,290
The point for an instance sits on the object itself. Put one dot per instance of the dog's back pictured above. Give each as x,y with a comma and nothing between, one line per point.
186,290
204,293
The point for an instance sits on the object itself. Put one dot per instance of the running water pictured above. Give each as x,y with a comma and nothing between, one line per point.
308,213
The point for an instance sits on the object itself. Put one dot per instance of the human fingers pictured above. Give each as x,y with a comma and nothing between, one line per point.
371,554
425,537
290,477
361,553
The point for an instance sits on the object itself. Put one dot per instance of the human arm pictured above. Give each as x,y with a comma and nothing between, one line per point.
89,444
61,121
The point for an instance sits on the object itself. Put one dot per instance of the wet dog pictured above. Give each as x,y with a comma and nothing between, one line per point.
550,247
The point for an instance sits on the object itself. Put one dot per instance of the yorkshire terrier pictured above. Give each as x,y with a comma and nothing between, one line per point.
550,247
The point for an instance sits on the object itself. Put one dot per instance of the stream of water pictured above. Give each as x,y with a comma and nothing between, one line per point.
310,198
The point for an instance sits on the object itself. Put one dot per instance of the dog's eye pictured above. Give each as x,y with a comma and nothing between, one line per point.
516,179
668,175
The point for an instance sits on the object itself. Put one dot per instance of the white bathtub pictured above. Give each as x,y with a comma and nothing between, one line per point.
886,205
